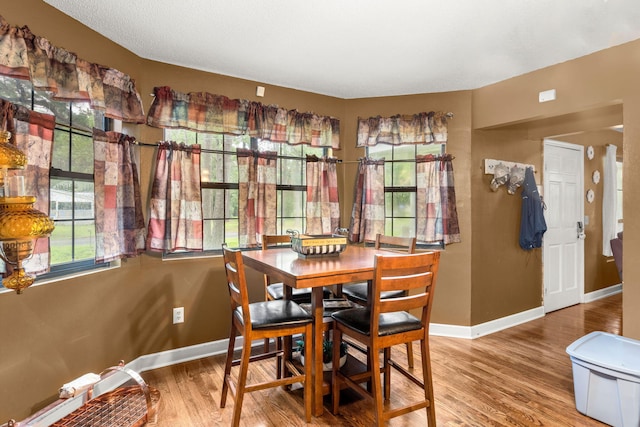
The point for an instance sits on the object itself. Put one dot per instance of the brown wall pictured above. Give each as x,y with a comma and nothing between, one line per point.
501,270
56,332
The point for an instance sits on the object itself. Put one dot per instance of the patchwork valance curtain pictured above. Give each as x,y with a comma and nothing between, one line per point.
175,221
436,216
205,112
27,56
256,196
323,208
367,215
420,128
120,227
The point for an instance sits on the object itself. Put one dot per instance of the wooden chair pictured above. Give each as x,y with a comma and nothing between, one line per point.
358,292
387,322
260,320
275,291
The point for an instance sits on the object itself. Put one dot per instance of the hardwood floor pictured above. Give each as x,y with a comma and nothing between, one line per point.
517,377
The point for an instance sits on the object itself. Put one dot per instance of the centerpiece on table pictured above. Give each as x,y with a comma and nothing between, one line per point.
308,245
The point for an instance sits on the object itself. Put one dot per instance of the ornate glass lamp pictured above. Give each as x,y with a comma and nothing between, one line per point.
20,224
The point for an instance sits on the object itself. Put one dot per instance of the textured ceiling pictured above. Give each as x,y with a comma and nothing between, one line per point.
362,48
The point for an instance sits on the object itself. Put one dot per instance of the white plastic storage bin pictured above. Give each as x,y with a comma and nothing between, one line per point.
606,378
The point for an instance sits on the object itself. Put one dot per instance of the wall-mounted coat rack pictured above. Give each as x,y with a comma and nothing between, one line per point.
490,164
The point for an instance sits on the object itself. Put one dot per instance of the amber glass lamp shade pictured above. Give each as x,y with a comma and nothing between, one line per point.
20,224
10,156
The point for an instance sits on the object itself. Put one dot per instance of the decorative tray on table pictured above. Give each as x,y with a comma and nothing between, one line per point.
308,246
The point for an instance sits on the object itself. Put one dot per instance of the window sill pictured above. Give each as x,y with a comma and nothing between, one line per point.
112,265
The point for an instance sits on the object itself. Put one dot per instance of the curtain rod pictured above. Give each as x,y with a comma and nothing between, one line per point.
208,150
396,161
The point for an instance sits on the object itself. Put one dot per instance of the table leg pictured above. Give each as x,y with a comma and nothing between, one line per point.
318,336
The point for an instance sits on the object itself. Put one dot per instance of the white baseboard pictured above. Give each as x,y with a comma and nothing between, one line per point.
476,331
148,362
602,293
471,332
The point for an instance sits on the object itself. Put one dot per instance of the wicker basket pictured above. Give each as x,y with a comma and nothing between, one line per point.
126,406
317,245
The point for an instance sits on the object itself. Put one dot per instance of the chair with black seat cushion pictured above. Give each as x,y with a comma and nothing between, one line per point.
387,322
358,292
275,291
260,320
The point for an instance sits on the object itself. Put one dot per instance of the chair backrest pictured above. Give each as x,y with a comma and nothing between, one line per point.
394,243
275,240
236,281
410,272
271,241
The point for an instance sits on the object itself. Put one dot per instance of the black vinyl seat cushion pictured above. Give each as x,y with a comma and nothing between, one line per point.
390,323
275,291
271,314
357,292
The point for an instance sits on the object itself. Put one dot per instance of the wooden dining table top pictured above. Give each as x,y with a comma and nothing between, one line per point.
284,265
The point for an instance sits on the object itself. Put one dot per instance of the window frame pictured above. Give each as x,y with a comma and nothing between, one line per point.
40,101
193,137
391,221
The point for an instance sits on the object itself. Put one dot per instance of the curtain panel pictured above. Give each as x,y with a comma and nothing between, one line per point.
33,134
323,208
205,112
256,196
436,213
175,218
367,215
27,56
420,128
120,226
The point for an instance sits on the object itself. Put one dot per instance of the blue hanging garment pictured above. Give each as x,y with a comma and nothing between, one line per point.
532,223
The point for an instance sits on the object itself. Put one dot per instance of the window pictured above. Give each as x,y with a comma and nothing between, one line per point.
400,183
219,178
72,243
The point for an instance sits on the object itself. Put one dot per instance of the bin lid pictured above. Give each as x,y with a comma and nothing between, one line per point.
608,350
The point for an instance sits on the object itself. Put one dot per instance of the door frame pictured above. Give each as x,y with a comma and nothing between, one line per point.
566,145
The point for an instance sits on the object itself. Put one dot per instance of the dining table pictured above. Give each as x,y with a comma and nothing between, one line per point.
354,264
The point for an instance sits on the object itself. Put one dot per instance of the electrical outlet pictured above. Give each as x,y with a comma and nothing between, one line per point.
178,315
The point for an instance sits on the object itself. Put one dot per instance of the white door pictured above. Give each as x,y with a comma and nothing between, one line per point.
563,248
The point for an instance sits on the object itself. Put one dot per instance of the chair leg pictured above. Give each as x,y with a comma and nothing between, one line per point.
428,382
369,367
386,367
242,381
227,365
335,381
308,378
279,359
377,389
338,291
266,345
410,354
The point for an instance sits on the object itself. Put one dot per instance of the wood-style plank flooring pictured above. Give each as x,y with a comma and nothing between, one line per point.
517,377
